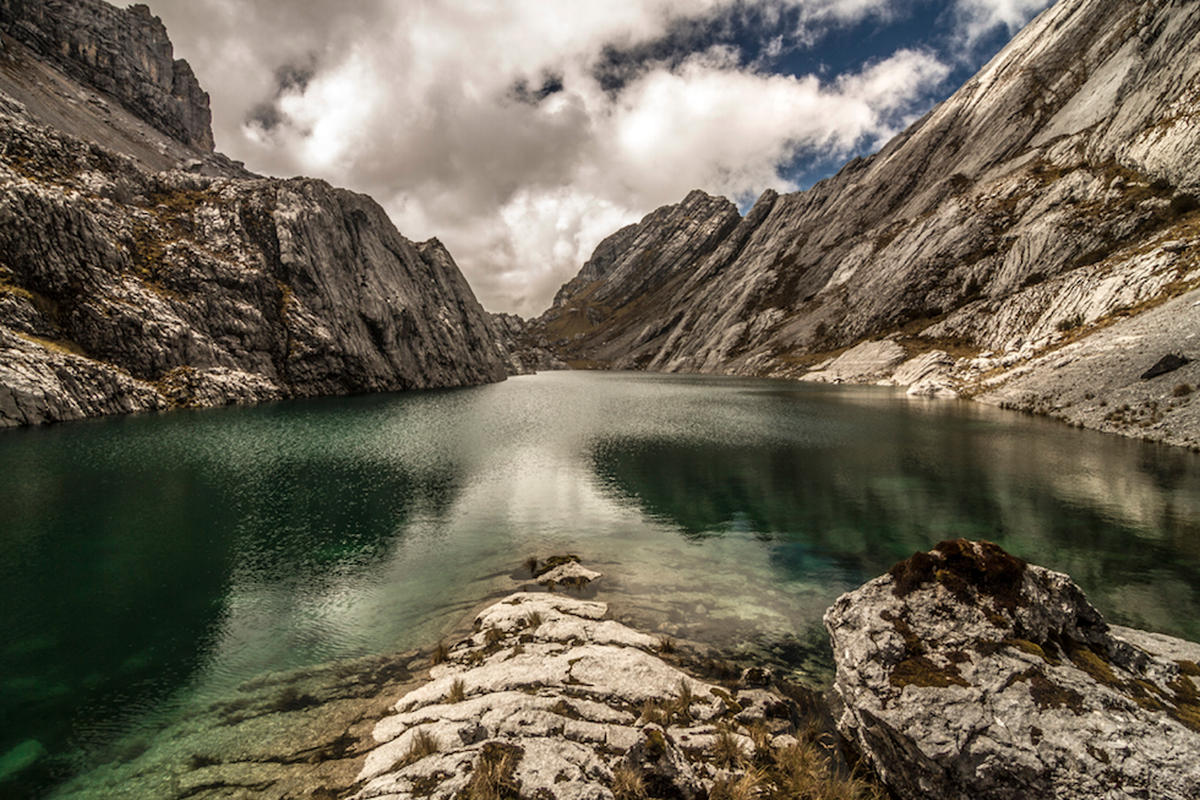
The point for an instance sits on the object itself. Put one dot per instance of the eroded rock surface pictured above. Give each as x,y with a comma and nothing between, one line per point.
124,53
965,673
556,702
124,290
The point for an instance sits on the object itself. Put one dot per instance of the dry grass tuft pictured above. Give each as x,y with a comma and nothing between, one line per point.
745,787
492,777
804,770
628,784
682,704
727,751
458,691
652,712
441,652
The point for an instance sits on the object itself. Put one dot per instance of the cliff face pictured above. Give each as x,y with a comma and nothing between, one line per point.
125,288
1052,194
124,53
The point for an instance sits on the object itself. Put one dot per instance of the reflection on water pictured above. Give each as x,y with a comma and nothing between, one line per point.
152,562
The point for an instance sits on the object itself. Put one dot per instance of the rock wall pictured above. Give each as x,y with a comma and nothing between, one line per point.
123,53
967,674
1052,195
125,290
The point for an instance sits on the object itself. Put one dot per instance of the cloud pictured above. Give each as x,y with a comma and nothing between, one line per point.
521,132
977,19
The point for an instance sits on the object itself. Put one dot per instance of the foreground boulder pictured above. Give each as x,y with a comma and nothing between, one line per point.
966,673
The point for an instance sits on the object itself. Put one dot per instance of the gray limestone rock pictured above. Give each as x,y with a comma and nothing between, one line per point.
124,53
139,290
573,698
966,673
1054,192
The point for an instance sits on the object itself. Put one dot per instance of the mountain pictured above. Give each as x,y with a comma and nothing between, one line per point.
1050,199
139,269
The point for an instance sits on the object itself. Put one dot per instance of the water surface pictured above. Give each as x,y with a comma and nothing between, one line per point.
152,560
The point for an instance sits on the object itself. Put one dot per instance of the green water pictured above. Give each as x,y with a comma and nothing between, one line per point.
152,560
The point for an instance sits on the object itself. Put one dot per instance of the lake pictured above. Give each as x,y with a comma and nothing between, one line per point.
151,560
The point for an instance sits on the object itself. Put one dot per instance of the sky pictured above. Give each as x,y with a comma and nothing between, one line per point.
522,132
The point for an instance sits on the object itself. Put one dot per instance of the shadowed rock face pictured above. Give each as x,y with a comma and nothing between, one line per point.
967,673
124,53
1052,194
125,290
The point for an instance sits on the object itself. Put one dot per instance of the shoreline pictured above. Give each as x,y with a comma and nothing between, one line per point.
308,732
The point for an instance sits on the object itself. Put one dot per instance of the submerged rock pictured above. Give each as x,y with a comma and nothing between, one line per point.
967,673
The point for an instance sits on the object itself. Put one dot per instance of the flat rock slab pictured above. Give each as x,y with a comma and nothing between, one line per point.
965,673
552,700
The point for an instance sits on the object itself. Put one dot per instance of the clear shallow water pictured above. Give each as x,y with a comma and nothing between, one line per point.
152,560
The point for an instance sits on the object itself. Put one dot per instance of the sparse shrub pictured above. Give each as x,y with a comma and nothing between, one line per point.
1182,390
441,652
1070,323
533,619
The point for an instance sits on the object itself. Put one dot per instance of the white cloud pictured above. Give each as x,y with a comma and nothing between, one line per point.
979,18
437,109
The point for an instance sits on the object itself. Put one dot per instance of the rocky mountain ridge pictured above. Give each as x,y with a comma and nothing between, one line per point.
123,53
1053,196
127,287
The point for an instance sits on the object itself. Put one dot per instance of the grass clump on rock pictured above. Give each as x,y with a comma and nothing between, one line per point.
492,777
423,744
628,783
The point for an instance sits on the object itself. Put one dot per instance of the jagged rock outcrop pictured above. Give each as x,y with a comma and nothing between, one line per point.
123,52
965,673
1052,194
122,289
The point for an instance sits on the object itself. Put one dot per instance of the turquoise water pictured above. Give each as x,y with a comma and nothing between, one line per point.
156,559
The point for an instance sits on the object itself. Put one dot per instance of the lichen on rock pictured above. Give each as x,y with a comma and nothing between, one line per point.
967,673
